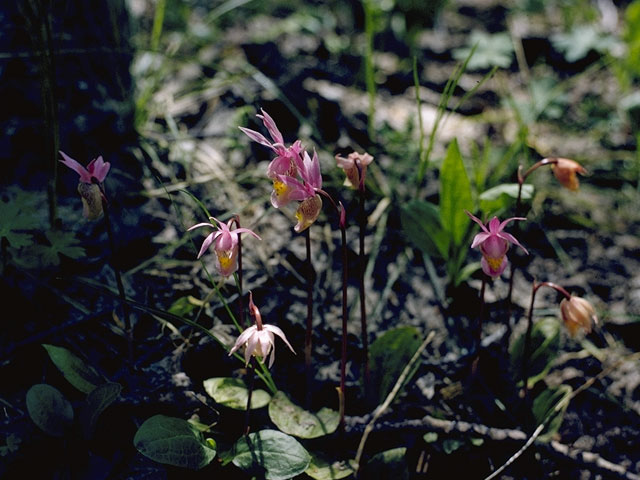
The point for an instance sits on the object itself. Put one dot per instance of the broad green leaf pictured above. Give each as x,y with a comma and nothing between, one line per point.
18,214
233,393
182,307
275,454
49,409
450,445
388,355
421,223
580,41
77,372
65,243
96,402
503,196
455,194
173,441
294,420
544,404
430,437
322,469
545,341
388,464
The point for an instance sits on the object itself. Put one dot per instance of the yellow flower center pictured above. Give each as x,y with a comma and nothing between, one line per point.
280,187
225,259
494,263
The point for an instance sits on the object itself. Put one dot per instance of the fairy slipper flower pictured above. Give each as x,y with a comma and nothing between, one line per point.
259,339
566,171
88,188
96,169
494,243
226,244
285,161
355,168
577,314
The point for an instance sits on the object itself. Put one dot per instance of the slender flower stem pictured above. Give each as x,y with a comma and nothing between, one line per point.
116,270
362,220
476,357
522,177
250,386
343,358
527,339
309,326
238,277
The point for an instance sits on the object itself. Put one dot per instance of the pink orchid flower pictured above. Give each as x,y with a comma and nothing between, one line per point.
259,339
226,244
88,188
494,243
97,168
285,162
355,168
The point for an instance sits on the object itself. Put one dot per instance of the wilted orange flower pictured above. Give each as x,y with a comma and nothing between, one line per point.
565,171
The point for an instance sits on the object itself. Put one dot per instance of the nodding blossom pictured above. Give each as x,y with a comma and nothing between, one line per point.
226,243
296,176
259,339
88,186
355,168
565,171
494,243
577,314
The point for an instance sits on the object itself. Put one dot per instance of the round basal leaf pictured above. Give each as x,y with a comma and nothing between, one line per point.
544,404
49,409
96,402
388,355
388,464
292,419
233,393
173,441
271,453
74,369
322,469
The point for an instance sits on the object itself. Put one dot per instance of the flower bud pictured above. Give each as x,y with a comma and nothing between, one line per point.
577,314
355,167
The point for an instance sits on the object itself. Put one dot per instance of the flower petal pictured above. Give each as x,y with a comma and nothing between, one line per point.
198,225
477,220
510,238
85,176
256,137
480,238
206,244
271,126
280,333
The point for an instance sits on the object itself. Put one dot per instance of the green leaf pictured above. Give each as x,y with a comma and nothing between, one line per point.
455,194
388,464
322,469
96,402
544,404
503,196
182,307
450,445
233,393
388,355
421,223
578,42
173,441
545,341
18,214
275,454
49,409
294,420
430,437
65,243
491,50
77,372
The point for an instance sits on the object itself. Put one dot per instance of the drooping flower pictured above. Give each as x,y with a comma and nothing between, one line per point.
355,168
566,171
259,339
494,243
577,314
97,168
88,185
226,243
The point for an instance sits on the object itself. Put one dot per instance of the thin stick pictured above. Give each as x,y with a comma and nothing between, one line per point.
476,357
343,355
247,415
559,406
391,396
